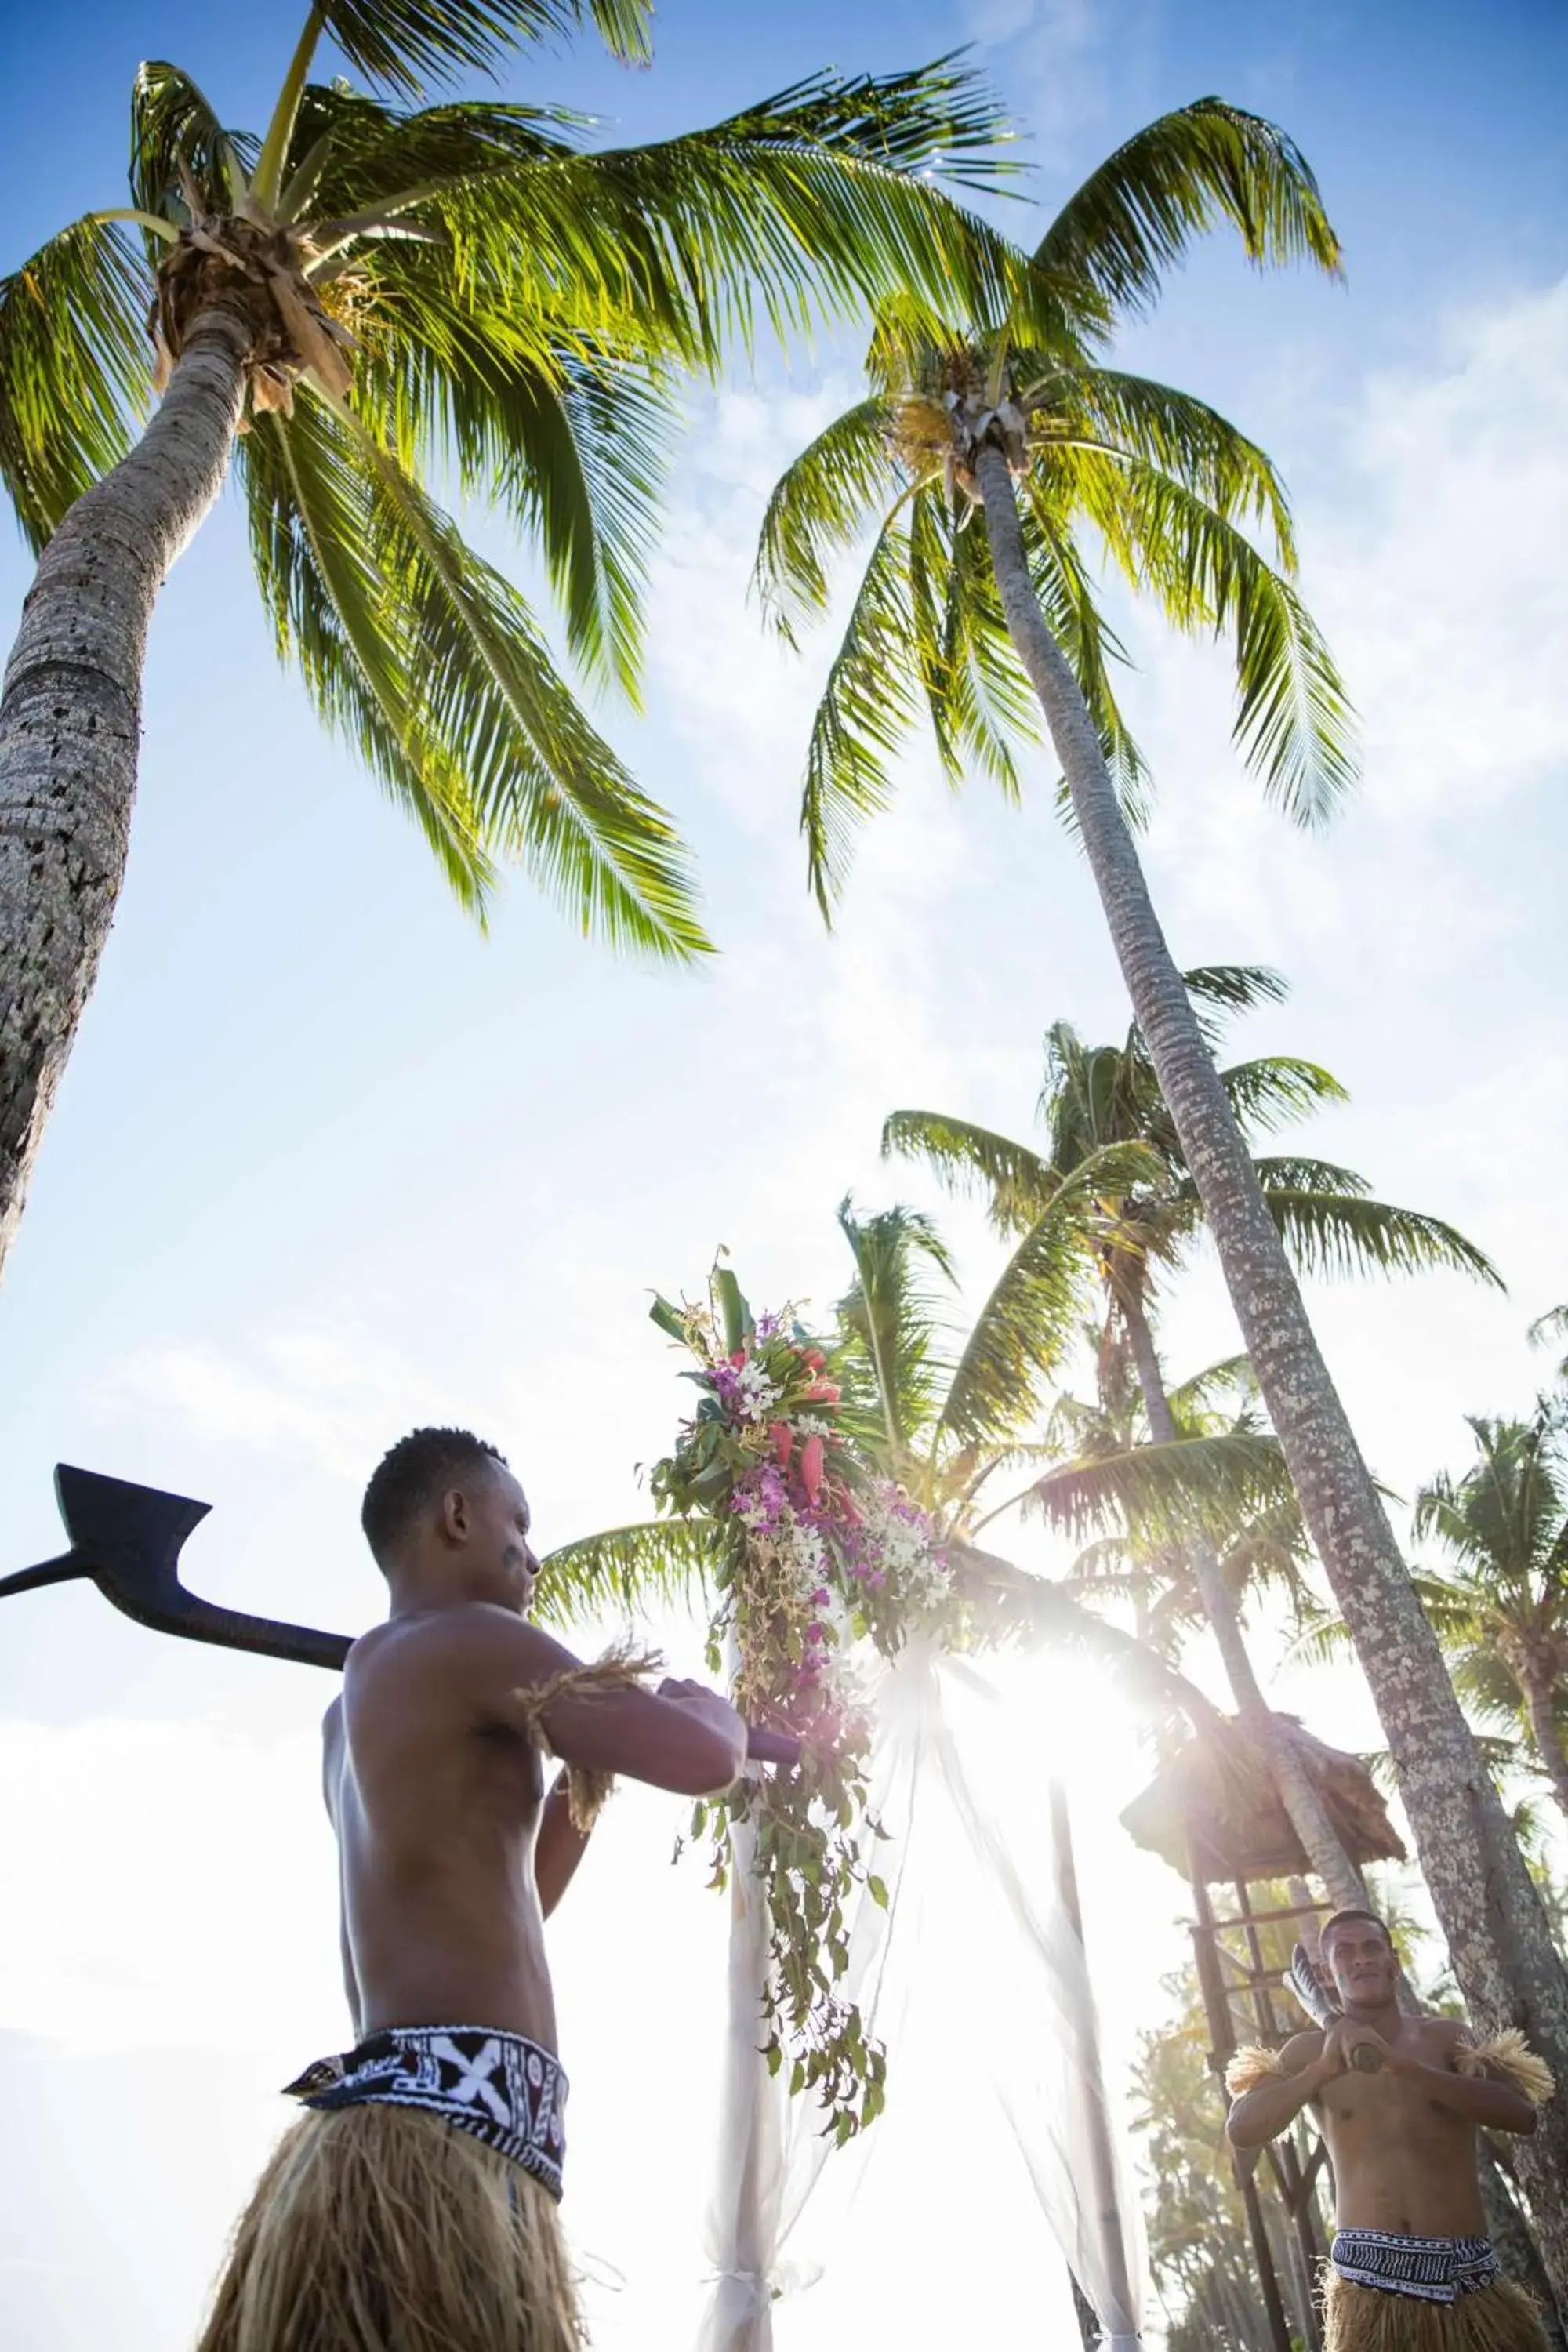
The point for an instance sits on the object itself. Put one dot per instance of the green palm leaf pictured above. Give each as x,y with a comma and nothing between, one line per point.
1034,1309
1343,1234
890,1319
1163,1490
867,707
549,790
402,43
177,144
820,507
75,368
1279,1087
1294,723
962,1155
654,1564
1180,176
312,536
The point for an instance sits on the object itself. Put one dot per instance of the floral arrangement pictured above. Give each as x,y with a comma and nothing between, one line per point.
817,1556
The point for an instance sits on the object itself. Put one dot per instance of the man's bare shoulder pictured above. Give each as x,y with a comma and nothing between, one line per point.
1440,2037
1303,2050
473,1646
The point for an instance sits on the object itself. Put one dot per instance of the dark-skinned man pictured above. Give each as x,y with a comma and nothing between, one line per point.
1400,2101
412,2207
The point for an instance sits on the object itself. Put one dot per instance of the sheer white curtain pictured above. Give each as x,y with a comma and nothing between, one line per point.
1034,2031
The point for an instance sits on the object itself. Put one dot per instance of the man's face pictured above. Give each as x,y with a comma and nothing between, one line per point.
1361,1962
500,1531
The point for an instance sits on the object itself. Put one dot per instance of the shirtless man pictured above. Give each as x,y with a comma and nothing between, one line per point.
1411,2253
414,2205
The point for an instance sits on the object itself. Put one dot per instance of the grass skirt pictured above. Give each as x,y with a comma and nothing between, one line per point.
1497,2318
380,2229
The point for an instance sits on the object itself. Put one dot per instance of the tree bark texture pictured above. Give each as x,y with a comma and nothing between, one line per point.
1491,1917
70,723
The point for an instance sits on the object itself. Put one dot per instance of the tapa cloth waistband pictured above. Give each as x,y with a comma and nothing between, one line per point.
1432,2270
508,2091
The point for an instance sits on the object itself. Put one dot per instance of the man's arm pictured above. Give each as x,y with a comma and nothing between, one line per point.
559,1847
1486,2099
1261,2114
681,1736
331,1766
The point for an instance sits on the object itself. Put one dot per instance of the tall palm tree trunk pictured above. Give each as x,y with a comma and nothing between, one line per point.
1342,1881
1496,1931
70,724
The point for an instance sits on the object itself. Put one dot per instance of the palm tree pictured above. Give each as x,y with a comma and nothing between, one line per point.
371,294
1502,1611
989,629
1103,1095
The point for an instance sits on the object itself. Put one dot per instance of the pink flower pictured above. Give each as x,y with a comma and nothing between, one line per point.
814,1632
821,1597
783,1443
823,1392
811,1467
812,1359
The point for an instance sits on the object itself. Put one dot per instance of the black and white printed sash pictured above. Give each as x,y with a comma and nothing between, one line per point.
508,2091
1432,2270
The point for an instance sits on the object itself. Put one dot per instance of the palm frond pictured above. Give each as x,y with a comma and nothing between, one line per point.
810,204
1183,174
1340,1235
1033,1314
868,706
962,1155
982,708
1174,433
890,1319
550,790
1231,1378
819,507
1060,580
653,1564
178,144
1294,722
401,44
1164,1490
75,368
1221,989
312,541
1276,1089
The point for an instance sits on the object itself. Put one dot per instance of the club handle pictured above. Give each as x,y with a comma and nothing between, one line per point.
1365,2060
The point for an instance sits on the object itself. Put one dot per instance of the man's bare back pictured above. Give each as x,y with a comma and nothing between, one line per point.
436,1798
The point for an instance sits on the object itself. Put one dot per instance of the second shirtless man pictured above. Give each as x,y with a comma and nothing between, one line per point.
412,2207
1411,2264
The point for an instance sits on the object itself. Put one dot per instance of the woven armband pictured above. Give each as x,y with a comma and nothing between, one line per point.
1506,2054
622,1668
1252,2065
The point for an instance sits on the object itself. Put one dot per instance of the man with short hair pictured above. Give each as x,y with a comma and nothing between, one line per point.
412,2207
1400,2100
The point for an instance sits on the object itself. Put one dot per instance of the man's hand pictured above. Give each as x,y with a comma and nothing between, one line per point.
1343,2039
708,1706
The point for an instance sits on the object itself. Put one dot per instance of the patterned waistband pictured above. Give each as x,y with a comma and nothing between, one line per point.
508,2091
1432,2270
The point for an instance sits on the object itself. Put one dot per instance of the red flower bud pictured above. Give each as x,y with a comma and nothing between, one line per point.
784,1442
811,1467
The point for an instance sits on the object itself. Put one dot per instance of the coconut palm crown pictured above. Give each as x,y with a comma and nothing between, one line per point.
1113,471
464,291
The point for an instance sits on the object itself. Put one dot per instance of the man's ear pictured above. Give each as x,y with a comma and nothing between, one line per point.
457,1519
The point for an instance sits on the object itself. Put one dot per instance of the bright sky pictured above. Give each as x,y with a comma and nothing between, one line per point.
326,1163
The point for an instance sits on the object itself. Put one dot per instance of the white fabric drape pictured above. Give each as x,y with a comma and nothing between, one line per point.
1034,2031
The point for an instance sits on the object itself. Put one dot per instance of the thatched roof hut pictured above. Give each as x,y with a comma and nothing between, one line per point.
1211,1811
